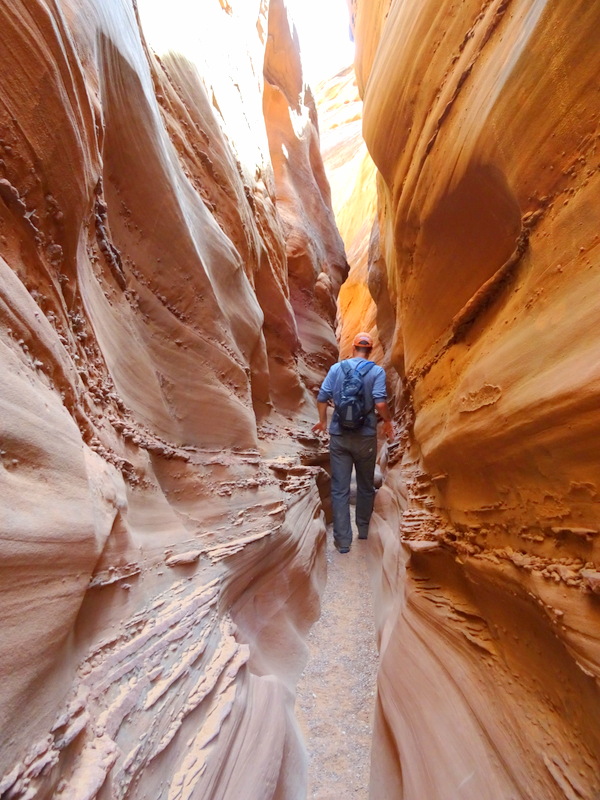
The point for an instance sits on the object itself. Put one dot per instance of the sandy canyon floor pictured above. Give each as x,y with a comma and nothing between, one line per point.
336,693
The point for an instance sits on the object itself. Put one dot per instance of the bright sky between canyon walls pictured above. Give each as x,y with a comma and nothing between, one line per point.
324,32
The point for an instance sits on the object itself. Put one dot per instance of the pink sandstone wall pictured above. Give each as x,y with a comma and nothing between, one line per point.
161,547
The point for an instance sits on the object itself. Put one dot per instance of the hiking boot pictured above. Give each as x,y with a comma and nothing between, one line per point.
341,548
363,534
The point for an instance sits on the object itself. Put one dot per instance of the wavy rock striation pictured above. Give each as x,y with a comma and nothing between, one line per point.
482,119
166,240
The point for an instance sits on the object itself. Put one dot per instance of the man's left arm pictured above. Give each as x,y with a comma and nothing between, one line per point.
380,401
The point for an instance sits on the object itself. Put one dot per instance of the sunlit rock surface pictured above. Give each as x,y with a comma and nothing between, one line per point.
162,534
315,251
482,121
352,175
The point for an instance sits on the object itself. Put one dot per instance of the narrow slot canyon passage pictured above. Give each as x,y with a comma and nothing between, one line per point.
201,205
336,693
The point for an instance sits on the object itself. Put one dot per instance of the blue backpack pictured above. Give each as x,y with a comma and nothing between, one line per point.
351,410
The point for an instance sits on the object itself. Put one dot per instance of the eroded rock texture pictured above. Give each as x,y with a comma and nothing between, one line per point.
165,239
352,176
482,120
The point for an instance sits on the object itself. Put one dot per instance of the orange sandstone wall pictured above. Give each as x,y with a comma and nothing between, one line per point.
161,525
482,119
352,177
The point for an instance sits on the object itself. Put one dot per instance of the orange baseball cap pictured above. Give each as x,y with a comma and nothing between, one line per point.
363,340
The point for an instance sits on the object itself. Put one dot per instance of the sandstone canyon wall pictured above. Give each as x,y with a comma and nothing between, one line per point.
169,270
352,176
482,119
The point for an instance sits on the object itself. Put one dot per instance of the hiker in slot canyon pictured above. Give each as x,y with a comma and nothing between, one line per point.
358,390
200,206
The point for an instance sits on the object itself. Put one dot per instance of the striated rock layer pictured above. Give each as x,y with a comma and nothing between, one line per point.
482,119
166,240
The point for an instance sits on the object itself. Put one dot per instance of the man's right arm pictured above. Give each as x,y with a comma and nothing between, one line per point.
325,394
321,426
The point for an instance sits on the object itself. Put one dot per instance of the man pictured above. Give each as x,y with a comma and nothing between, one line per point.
357,447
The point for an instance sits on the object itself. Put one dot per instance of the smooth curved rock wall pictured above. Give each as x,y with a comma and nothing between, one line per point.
482,121
161,517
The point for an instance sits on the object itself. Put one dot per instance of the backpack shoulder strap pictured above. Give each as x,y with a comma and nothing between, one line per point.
346,368
364,368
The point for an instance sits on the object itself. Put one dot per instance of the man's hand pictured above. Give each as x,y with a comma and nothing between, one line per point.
388,429
321,426
388,425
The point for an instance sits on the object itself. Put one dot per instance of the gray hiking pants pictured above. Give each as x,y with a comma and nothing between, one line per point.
346,451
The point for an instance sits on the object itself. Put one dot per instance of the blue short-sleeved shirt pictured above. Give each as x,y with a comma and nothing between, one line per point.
374,388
